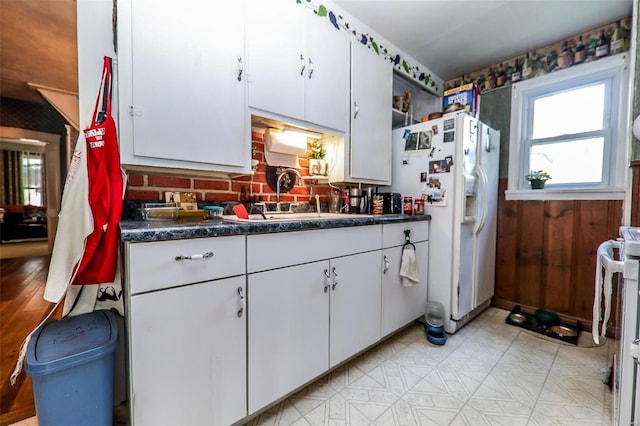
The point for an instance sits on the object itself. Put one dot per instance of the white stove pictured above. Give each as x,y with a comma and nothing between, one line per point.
631,237
626,390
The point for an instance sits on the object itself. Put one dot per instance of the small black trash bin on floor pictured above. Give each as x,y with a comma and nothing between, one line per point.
70,362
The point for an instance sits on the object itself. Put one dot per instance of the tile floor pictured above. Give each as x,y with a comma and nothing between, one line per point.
488,373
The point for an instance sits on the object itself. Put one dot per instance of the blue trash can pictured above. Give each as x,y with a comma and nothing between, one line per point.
70,362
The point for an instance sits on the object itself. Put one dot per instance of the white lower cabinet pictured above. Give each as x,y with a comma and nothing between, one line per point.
402,305
188,354
288,330
307,318
214,338
187,331
354,316
304,319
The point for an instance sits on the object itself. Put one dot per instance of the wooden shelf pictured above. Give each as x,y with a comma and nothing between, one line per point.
401,119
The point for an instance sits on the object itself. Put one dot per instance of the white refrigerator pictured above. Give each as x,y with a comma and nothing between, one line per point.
452,162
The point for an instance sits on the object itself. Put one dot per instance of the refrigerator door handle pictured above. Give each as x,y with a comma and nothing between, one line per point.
484,182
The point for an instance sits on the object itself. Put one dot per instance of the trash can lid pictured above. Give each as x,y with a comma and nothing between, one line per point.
61,344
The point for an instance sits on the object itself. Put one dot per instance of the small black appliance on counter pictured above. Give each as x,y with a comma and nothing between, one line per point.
391,202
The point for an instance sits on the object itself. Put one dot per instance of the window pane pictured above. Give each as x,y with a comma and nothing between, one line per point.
575,161
574,111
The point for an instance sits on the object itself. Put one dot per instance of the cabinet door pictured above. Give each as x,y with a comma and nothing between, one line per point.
327,76
371,95
276,57
355,304
288,330
401,305
182,103
188,355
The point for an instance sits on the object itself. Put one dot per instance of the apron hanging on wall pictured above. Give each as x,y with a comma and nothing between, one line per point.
85,258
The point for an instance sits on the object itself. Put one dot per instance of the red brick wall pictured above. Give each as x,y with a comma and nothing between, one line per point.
149,186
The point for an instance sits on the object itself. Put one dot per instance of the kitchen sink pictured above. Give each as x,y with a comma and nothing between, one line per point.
272,217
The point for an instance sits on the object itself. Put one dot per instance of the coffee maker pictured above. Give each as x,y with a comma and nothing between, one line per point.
357,201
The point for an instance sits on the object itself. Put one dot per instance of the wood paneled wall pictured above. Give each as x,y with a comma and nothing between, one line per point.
546,253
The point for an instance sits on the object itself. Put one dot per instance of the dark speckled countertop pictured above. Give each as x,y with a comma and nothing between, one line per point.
163,230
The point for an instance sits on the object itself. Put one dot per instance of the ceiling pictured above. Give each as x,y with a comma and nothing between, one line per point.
451,37
37,45
455,37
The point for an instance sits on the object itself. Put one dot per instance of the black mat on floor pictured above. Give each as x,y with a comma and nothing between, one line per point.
559,330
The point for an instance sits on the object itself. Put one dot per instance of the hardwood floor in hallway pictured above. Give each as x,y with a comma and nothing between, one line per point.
22,307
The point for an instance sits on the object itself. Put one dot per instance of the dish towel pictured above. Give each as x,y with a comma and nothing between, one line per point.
604,259
409,267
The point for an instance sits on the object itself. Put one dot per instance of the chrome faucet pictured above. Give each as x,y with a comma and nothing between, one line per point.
281,173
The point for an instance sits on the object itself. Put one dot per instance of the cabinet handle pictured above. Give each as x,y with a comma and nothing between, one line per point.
326,280
243,303
335,281
206,255
310,68
386,265
355,108
303,64
240,69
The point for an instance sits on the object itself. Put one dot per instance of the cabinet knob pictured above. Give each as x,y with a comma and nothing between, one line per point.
386,264
326,280
335,281
310,68
356,108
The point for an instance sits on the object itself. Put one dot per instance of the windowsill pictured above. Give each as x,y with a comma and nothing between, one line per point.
565,194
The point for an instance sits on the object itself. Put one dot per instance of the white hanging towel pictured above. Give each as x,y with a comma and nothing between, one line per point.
604,259
409,267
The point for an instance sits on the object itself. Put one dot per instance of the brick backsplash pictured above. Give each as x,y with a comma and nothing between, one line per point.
147,186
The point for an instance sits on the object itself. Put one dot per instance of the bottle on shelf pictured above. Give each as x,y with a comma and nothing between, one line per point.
527,70
617,40
602,46
591,49
580,52
565,58
517,72
508,74
500,76
490,82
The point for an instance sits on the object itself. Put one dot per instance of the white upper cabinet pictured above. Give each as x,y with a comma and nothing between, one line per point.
298,64
371,95
364,156
182,85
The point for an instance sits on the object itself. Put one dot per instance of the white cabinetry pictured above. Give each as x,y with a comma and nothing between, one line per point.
187,339
401,305
355,305
298,64
289,331
365,156
312,312
182,85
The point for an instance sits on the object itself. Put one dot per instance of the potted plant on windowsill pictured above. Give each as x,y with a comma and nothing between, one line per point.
537,178
317,163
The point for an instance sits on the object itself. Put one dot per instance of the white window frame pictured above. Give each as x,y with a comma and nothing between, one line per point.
614,71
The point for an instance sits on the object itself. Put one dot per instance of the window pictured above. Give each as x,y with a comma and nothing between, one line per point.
573,125
31,174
